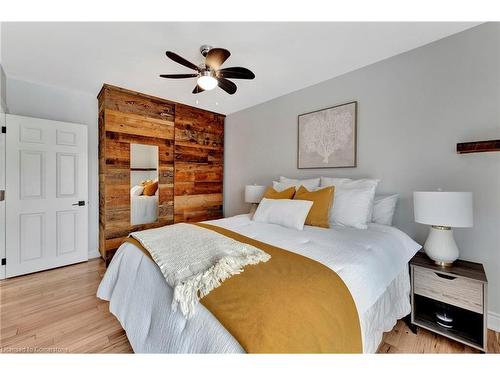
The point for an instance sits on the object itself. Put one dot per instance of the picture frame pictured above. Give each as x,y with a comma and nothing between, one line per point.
327,138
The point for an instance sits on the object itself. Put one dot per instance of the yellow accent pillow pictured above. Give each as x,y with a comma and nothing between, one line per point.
285,194
322,202
150,189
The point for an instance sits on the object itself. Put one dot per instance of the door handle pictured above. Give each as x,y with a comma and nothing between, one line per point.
447,277
79,203
2,195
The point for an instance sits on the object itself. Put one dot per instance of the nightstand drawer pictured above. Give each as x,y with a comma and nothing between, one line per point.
457,291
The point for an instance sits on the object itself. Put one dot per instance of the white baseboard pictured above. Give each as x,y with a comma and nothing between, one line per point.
494,321
94,254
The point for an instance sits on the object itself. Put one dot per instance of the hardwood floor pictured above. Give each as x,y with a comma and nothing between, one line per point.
57,311
402,340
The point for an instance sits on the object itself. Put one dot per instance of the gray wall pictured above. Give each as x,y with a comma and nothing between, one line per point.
3,79
412,110
3,91
41,101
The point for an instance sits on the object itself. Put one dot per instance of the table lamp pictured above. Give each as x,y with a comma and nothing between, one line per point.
254,194
442,210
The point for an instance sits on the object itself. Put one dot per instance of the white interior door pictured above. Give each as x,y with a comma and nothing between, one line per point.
46,178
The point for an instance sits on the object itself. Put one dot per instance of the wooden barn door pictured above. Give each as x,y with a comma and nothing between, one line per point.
125,118
199,156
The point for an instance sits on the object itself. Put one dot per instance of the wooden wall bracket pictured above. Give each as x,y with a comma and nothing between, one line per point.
479,146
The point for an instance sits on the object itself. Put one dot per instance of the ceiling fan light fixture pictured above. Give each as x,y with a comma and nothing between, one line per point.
206,81
209,75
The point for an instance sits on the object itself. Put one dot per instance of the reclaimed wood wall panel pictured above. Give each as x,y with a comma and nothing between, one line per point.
199,158
191,153
126,117
138,125
127,101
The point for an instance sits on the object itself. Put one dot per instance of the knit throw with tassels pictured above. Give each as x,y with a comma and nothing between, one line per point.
195,260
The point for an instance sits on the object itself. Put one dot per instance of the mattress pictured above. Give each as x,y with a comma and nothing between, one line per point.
372,263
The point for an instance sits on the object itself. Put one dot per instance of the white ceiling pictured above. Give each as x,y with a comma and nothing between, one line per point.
285,57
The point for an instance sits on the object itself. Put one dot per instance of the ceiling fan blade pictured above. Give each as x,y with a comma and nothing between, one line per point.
197,89
175,76
181,60
216,57
227,85
236,72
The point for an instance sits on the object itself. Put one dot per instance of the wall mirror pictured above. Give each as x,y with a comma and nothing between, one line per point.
143,184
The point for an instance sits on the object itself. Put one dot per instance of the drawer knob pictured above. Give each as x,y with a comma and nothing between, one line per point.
445,276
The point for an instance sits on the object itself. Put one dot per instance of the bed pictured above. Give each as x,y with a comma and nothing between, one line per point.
372,263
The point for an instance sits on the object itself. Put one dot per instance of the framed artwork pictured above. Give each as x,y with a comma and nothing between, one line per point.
327,138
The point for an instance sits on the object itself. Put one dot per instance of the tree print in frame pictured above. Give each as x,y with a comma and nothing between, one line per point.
327,138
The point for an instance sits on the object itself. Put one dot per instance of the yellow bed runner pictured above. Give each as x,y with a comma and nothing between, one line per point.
290,304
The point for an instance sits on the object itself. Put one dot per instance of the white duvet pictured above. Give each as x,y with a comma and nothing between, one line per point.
372,263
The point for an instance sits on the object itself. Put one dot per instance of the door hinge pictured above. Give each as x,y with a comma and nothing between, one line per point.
4,261
4,129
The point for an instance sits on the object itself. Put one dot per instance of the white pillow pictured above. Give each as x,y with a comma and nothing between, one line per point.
284,183
280,186
290,213
352,207
352,202
347,183
383,208
136,190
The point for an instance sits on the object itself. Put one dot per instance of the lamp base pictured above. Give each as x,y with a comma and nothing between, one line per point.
253,209
441,247
443,264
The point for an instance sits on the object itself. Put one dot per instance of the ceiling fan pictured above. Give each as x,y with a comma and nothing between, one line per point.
209,73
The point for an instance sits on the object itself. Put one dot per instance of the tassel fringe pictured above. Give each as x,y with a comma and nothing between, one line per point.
188,293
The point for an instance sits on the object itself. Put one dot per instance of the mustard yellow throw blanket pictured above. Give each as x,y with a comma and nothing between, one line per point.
290,304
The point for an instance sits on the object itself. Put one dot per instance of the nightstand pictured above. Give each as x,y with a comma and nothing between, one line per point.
450,301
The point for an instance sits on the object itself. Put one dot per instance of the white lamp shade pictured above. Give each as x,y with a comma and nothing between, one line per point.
254,193
443,208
